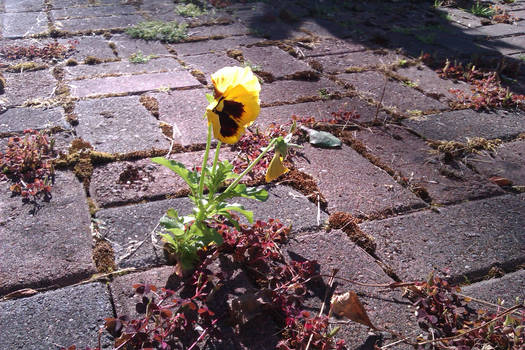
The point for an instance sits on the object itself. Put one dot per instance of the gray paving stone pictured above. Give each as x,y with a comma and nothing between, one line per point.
273,60
157,65
124,225
505,289
132,84
118,124
75,25
220,45
296,91
92,11
23,5
127,46
334,250
463,239
508,46
411,157
42,246
496,30
21,87
22,24
320,110
133,181
184,110
508,162
429,82
79,3
462,17
210,63
95,46
367,190
233,29
59,318
331,46
337,63
19,119
458,125
398,96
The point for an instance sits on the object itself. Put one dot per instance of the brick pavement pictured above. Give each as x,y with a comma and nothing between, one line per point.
424,211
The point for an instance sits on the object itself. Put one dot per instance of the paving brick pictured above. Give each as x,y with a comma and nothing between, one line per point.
95,46
507,161
397,95
496,30
92,11
78,3
507,46
259,333
123,67
132,84
19,119
23,5
331,46
63,317
210,63
458,125
326,28
21,87
334,250
412,158
42,246
217,30
184,110
275,61
340,62
22,24
133,181
506,289
98,23
366,190
458,240
127,46
124,225
429,82
462,17
295,91
220,45
320,110
118,124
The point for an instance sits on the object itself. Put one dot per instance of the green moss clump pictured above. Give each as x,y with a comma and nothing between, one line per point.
25,67
2,84
170,32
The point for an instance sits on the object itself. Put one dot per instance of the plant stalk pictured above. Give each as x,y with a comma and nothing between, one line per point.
204,162
250,167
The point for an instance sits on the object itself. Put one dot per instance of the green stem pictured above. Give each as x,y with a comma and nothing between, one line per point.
250,167
204,163
215,160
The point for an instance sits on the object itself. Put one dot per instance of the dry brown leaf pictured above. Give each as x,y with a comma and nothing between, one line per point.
500,181
21,293
349,306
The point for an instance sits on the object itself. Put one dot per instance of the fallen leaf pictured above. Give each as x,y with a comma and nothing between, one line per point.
21,293
348,305
500,181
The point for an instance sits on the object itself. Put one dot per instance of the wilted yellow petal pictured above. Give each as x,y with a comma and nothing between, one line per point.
276,168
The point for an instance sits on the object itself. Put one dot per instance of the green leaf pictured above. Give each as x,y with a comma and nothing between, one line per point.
323,139
191,177
248,214
210,98
223,172
241,190
172,213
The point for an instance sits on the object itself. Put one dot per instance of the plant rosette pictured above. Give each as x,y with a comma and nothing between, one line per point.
234,106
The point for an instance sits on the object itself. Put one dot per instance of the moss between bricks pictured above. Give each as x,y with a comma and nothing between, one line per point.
151,104
26,67
104,257
349,225
2,83
305,184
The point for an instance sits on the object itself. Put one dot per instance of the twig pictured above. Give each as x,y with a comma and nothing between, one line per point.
502,314
330,284
478,300
394,343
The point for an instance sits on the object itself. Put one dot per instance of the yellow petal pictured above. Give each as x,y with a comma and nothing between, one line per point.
276,168
249,100
229,77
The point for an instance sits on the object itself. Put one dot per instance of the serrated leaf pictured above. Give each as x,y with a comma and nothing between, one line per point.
323,139
241,190
248,214
190,177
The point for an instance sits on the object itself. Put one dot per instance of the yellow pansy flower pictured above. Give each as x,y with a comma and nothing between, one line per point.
236,102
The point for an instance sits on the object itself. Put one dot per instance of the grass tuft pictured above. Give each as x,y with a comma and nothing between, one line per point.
170,32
